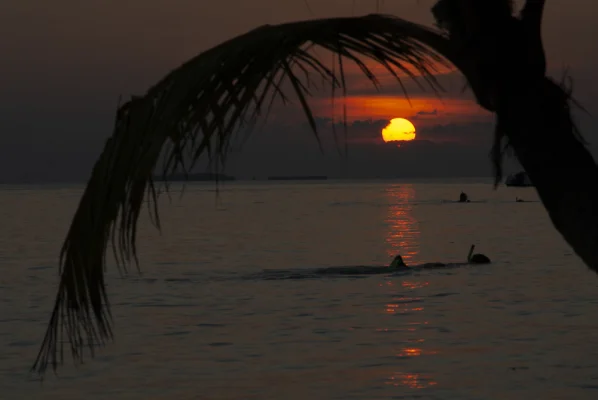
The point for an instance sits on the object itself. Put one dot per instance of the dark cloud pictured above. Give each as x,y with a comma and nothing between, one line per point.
442,150
369,131
426,113
452,85
59,144
477,133
420,158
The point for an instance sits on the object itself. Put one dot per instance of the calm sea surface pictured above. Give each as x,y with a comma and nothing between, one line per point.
201,323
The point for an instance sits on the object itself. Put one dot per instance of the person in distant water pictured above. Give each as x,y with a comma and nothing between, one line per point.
477,258
398,263
463,198
518,200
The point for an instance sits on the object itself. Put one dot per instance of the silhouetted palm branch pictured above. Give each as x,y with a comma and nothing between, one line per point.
195,111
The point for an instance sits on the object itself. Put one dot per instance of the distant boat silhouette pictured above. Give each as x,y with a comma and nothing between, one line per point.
520,179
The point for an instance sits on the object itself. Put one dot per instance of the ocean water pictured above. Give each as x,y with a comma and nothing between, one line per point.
200,322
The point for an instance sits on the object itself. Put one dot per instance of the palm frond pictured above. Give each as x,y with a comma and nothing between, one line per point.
196,109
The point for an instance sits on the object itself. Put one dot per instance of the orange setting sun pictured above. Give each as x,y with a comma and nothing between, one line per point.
399,129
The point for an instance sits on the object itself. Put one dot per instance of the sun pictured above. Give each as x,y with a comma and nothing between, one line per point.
398,130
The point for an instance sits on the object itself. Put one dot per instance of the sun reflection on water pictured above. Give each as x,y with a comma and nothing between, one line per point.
414,284
408,303
403,228
414,352
414,381
404,305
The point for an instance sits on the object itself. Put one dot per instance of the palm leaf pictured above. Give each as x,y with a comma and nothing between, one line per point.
196,110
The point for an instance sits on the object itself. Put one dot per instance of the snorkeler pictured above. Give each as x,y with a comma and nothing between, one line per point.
477,258
463,198
398,263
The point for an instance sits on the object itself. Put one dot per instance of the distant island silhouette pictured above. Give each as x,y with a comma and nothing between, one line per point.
298,178
206,176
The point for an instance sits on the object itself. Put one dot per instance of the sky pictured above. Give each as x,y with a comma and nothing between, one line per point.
66,62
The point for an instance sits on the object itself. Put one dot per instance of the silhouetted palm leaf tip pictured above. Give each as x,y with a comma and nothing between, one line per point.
194,111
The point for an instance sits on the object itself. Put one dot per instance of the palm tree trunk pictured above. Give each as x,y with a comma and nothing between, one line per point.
545,141
503,59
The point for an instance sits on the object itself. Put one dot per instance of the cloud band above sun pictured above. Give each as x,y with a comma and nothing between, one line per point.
398,130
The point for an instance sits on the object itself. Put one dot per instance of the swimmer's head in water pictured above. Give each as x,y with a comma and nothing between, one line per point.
479,259
398,262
